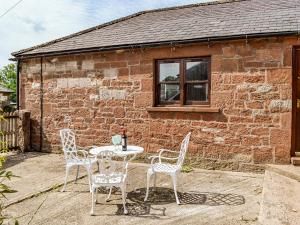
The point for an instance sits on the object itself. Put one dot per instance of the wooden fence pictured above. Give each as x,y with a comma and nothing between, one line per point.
9,132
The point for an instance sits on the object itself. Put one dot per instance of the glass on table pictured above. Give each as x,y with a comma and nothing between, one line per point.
116,140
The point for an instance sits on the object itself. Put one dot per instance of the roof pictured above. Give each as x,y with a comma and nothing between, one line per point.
231,18
5,90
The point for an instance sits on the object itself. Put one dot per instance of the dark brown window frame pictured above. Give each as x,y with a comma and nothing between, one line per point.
182,83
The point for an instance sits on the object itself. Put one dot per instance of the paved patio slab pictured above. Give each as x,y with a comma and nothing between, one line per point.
208,197
37,173
280,197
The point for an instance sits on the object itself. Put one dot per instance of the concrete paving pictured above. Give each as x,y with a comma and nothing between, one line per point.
208,197
37,172
280,199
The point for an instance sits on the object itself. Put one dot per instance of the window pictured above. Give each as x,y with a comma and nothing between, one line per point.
183,81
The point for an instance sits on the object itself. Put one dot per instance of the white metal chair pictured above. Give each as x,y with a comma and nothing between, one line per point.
109,175
74,156
170,169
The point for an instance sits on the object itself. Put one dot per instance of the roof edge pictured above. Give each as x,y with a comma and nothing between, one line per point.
158,44
16,53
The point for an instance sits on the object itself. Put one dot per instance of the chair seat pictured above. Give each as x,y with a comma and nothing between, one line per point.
102,179
81,162
164,168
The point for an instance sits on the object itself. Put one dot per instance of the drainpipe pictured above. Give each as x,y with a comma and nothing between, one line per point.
41,105
18,84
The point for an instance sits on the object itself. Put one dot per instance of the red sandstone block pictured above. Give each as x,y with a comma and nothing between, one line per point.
244,50
264,96
133,62
237,79
287,57
238,119
279,76
229,51
263,119
271,54
253,64
146,85
118,64
102,65
285,92
119,112
286,120
254,79
250,141
260,131
229,65
143,99
263,155
282,154
272,64
123,71
141,69
232,141
280,138
255,105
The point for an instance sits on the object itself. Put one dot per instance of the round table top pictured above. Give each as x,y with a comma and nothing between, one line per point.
131,150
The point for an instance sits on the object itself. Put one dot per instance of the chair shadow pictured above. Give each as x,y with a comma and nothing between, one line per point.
161,196
137,209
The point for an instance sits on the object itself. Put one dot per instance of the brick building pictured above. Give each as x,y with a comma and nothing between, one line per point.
224,70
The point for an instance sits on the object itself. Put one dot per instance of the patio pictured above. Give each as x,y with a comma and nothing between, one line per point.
208,197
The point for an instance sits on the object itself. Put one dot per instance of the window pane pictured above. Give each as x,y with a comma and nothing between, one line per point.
197,92
169,92
169,72
196,70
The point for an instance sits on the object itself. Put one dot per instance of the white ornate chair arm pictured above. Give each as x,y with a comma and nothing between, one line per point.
161,151
84,156
153,158
160,158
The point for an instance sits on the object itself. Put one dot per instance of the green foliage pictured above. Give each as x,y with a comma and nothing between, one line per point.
4,175
186,168
8,78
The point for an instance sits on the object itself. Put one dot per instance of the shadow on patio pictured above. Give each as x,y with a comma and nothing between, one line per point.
161,196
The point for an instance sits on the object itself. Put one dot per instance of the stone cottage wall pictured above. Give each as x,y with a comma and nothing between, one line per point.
96,93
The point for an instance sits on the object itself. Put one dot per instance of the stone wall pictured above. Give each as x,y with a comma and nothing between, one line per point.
96,93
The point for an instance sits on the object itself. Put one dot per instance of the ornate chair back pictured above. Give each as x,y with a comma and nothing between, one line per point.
68,144
110,167
183,149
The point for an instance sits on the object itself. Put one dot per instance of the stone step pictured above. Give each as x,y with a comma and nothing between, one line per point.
280,191
297,154
295,160
289,171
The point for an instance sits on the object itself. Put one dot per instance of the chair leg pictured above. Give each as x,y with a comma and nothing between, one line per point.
93,201
149,174
174,180
109,194
98,166
66,178
154,181
88,168
77,174
124,199
96,197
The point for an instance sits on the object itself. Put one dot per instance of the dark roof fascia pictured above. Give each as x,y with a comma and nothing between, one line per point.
157,44
120,20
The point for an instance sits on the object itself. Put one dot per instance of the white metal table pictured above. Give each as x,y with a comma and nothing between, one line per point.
132,151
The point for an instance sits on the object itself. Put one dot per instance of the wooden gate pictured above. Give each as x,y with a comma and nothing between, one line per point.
9,132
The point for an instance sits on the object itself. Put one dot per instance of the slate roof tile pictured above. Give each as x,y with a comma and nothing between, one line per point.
197,21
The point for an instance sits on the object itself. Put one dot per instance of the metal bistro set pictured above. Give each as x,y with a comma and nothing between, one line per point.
113,172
